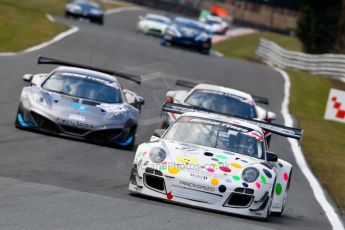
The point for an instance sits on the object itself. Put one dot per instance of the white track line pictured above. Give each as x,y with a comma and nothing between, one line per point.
62,35
125,8
319,194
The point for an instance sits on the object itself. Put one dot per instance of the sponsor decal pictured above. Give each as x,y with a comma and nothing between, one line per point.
197,186
221,124
76,117
242,99
83,77
197,176
73,122
79,107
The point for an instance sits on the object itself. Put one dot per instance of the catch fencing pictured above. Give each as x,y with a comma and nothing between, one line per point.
323,64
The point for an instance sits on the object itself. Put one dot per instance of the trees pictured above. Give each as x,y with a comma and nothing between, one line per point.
319,26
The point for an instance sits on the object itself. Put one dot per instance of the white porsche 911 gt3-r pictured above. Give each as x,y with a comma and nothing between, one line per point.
214,162
153,24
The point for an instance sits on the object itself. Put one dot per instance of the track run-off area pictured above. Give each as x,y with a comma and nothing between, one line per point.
48,182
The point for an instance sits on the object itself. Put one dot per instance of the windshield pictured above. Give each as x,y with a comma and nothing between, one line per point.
83,86
156,19
216,134
222,102
212,22
189,23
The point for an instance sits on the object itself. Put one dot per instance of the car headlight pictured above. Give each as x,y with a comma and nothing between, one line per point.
202,37
250,174
157,154
96,11
38,98
173,32
116,116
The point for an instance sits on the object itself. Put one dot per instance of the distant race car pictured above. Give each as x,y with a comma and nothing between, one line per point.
216,162
82,102
85,9
218,99
215,25
187,32
153,24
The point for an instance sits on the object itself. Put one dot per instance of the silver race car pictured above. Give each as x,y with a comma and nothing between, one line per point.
213,161
81,102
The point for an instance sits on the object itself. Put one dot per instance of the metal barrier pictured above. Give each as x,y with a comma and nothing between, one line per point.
323,64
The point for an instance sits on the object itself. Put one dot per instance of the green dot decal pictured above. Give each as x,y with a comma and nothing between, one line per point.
263,179
221,157
236,178
139,154
220,163
279,189
163,167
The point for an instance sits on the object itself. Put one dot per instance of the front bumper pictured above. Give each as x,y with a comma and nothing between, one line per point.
225,196
92,17
189,42
115,135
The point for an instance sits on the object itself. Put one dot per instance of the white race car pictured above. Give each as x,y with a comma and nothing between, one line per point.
153,24
215,162
218,99
215,25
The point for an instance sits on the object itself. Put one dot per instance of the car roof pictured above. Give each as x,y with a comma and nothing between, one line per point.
95,74
224,90
223,118
214,18
158,17
187,20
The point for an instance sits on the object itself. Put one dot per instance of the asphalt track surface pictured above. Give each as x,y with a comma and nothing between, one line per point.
55,183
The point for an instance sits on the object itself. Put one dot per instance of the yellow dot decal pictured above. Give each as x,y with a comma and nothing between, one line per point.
214,181
173,170
214,165
235,165
187,159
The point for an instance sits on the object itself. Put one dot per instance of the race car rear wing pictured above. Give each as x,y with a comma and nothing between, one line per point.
190,84
281,130
53,61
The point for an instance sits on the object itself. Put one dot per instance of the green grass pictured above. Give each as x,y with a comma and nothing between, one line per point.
244,47
24,23
323,141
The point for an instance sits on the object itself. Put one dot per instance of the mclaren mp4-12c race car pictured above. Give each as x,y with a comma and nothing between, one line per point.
214,161
82,102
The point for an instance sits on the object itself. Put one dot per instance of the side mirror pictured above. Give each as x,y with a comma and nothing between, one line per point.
133,99
270,116
27,77
271,156
157,134
140,100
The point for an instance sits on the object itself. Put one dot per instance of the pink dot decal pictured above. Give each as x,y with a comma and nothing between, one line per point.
258,185
286,176
164,163
210,170
144,153
225,169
